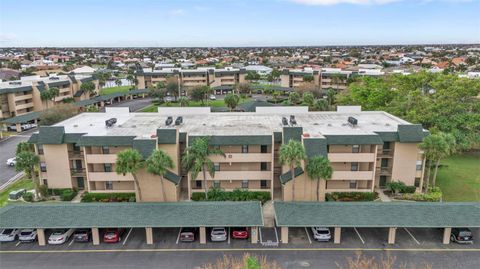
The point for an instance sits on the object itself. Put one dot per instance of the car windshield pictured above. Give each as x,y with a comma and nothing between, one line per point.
465,233
58,232
323,232
218,232
25,232
7,231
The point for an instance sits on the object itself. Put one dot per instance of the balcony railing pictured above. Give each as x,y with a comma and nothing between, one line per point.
238,175
75,154
351,157
352,175
78,171
242,157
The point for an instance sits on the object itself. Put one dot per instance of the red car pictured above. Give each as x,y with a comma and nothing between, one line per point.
240,233
113,235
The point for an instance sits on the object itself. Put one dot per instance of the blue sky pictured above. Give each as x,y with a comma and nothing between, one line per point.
237,22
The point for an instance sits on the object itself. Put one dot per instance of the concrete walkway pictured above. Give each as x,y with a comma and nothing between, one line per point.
383,197
268,214
78,198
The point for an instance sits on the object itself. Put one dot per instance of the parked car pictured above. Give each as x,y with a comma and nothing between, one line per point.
9,235
321,234
12,161
218,234
188,234
212,97
82,235
168,99
60,236
240,233
16,194
113,235
461,236
27,235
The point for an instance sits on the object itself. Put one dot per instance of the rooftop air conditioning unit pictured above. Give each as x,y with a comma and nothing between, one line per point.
293,121
353,121
110,122
179,120
169,121
284,121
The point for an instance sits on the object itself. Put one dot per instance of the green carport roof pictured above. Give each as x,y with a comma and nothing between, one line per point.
123,215
377,214
287,176
23,118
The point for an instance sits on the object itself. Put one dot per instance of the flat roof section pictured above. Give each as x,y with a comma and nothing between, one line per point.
132,215
376,214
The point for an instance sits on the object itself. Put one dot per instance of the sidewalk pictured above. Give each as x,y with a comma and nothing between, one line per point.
78,198
268,214
382,196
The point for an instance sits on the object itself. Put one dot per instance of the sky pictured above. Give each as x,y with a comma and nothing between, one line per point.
239,23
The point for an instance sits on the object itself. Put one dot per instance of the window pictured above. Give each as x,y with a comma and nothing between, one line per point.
353,184
216,166
384,162
355,166
417,182
76,148
105,150
198,184
40,149
107,167
43,167
244,148
355,149
216,184
263,148
244,184
263,184
419,165
386,145
45,182
108,185
263,166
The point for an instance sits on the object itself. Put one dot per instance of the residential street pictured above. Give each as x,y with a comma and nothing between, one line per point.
134,104
7,151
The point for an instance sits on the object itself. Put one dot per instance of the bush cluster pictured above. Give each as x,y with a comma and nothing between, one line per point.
28,197
400,187
433,195
108,197
351,196
236,195
68,194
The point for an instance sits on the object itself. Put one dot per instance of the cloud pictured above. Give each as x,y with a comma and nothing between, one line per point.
177,12
336,2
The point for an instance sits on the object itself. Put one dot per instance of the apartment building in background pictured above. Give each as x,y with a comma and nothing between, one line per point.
22,96
367,149
189,78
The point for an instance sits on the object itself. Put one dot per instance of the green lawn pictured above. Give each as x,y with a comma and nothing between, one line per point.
459,178
20,184
115,89
210,103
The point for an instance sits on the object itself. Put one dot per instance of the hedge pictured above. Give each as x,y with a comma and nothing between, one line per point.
68,195
433,195
400,187
236,195
28,197
58,191
351,196
108,197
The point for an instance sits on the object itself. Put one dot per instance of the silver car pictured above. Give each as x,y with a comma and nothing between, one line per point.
27,235
60,236
9,235
218,235
321,234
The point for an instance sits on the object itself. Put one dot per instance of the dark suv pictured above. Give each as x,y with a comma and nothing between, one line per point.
82,235
461,235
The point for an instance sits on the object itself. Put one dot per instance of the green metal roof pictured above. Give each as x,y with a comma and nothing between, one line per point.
363,139
409,133
126,215
252,106
33,138
16,89
172,177
287,176
167,136
23,118
388,136
50,135
315,147
236,140
98,141
294,133
72,138
144,146
277,137
58,84
377,214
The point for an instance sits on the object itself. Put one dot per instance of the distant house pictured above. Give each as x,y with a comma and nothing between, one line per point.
84,70
8,74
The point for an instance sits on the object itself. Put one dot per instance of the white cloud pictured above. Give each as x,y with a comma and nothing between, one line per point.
335,2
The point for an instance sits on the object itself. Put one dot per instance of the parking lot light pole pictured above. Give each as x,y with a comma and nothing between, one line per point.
446,235
284,235
391,235
95,237
337,234
41,237
203,235
149,235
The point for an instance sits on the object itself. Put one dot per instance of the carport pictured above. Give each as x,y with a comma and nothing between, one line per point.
390,215
132,215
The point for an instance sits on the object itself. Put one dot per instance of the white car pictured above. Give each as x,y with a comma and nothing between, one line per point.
168,99
212,97
218,234
27,235
321,234
60,236
9,235
12,161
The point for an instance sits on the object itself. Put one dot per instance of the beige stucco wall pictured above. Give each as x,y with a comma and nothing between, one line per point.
151,188
404,162
58,167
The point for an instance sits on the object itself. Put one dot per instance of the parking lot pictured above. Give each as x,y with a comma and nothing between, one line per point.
299,237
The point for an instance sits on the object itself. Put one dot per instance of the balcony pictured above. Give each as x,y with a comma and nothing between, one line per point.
23,106
385,153
101,158
108,176
23,97
352,157
349,190
238,175
242,158
75,154
384,170
60,98
352,175
78,172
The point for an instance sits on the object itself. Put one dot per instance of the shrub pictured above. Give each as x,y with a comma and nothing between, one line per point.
58,192
399,187
68,195
108,197
236,195
351,196
43,190
433,195
198,196
28,197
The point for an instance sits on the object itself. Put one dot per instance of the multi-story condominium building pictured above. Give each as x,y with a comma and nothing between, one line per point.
22,96
366,149
189,78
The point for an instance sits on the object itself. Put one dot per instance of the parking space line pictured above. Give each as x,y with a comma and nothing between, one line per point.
413,237
178,236
126,237
308,235
260,234
18,243
71,242
276,233
229,235
359,236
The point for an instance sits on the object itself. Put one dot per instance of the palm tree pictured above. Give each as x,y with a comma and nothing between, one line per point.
231,100
88,88
130,161
118,82
45,96
196,159
27,162
183,101
319,168
292,154
157,164
54,92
